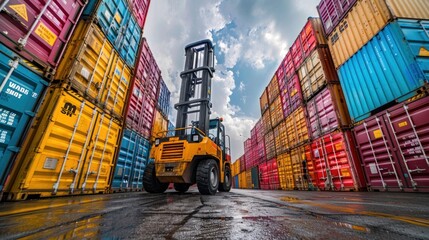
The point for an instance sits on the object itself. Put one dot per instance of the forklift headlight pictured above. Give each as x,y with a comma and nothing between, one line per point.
157,142
195,138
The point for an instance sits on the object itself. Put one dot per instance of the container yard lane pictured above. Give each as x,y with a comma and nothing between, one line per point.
240,214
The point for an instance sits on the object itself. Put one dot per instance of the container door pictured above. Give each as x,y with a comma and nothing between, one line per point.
409,127
141,157
255,177
124,161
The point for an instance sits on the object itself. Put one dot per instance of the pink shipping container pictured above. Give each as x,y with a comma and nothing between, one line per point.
297,53
269,176
242,164
248,154
332,11
327,111
147,69
140,9
394,147
288,65
291,96
260,152
270,146
311,36
335,163
39,29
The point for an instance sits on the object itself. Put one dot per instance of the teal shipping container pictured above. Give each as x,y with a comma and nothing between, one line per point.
255,177
389,69
236,182
20,92
118,24
131,162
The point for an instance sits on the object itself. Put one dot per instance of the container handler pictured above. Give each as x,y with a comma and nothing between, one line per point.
198,152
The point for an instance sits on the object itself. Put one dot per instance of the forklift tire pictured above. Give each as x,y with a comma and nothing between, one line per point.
226,185
207,177
150,183
181,187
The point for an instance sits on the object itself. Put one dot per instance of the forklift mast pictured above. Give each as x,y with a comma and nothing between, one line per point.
195,91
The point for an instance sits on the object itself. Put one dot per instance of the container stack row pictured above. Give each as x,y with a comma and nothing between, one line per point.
347,108
90,88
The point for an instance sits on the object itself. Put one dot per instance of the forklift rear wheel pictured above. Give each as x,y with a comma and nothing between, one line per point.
226,185
150,183
181,187
208,177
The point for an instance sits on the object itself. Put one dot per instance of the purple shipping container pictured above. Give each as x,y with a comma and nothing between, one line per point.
39,29
291,95
332,11
394,147
140,9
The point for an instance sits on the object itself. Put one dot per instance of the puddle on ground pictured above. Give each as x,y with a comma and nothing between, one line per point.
352,226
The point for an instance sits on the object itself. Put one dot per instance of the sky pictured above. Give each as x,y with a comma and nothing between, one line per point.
251,37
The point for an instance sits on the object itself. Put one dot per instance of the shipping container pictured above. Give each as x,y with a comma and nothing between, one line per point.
263,101
131,162
255,177
160,126
288,65
269,177
285,172
388,69
248,154
335,163
365,19
118,24
140,9
394,147
87,61
270,145
291,96
276,112
296,128
280,138
327,111
296,51
242,179
164,99
266,122
242,163
260,152
316,72
331,12
171,129
147,71
273,89
235,167
20,93
39,29
311,36
298,163
249,183
236,182
70,149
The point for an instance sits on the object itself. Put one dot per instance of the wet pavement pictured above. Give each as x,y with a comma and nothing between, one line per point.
240,214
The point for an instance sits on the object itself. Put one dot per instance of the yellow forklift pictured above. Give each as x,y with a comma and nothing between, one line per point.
198,152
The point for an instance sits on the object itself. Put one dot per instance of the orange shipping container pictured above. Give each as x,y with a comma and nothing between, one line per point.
235,168
263,101
281,139
276,112
270,146
365,19
249,183
160,125
273,89
296,128
242,179
266,122
284,165
70,149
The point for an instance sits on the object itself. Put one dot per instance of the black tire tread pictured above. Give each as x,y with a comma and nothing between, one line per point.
202,177
150,183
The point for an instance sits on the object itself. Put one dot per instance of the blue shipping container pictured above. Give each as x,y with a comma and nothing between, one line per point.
236,182
164,98
20,92
388,69
131,162
119,25
170,128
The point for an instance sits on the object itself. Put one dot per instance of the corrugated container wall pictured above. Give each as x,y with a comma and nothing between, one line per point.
140,9
70,149
131,162
276,112
331,12
270,145
160,125
40,40
20,94
263,101
242,179
250,160
387,70
291,96
269,177
164,99
171,129
394,147
235,167
280,138
365,20
273,89
119,25
236,183
266,122
242,163
284,166
296,128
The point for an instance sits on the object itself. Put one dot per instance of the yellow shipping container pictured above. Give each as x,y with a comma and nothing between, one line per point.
296,128
94,69
273,89
160,124
242,180
263,101
365,19
276,112
266,122
235,168
281,139
70,149
249,183
284,165
297,156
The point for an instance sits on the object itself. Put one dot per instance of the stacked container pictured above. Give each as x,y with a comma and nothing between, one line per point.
381,59
73,144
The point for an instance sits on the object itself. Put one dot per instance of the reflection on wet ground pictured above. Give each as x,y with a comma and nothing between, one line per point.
241,214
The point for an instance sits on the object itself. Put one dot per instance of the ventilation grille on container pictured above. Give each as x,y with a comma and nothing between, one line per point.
172,151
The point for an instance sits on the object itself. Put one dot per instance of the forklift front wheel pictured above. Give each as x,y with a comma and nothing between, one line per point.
208,177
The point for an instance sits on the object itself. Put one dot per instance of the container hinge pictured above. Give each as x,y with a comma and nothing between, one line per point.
13,149
13,65
74,171
30,113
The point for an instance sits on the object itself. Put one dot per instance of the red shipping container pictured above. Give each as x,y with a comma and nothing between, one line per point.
39,29
250,160
311,36
327,111
140,9
332,12
269,176
335,163
260,154
242,160
394,147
